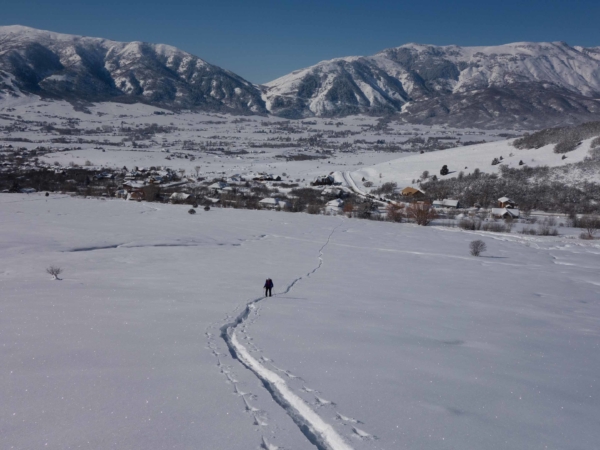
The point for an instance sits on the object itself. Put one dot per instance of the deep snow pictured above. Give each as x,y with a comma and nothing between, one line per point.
397,338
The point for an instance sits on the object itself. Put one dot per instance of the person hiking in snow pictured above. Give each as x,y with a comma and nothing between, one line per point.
268,286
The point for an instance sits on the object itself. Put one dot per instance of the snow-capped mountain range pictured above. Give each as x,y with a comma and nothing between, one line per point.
514,84
525,85
92,69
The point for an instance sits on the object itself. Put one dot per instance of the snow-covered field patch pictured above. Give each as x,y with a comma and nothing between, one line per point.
379,335
406,170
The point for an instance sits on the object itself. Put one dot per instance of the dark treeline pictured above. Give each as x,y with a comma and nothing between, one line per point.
531,188
566,138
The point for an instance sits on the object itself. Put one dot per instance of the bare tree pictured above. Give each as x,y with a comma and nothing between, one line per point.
348,208
476,247
421,213
151,192
395,212
54,271
591,225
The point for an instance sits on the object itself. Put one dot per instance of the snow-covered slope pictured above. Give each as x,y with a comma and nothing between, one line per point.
391,335
520,83
405,171
92,69
338,87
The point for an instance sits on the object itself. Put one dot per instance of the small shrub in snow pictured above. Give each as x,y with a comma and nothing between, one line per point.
496,227
313,209
207,208
527,230
192,211
545,230
467,224
590,225
54,271
477,247
444,170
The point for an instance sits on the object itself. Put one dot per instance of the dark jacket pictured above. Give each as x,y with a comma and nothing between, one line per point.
268,283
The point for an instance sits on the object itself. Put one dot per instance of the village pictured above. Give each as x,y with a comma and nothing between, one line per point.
314,172
24,172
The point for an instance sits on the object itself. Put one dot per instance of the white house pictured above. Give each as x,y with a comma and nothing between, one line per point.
131,186
505,213
218,187
446,203
506,202
273,203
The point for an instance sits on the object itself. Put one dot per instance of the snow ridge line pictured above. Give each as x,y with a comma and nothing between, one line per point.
317,431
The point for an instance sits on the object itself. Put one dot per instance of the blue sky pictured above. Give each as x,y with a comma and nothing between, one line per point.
264,39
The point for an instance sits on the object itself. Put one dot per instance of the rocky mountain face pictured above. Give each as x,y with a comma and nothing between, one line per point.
80,68
527,85
521,85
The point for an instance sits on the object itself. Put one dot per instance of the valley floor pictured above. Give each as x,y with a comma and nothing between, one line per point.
392,335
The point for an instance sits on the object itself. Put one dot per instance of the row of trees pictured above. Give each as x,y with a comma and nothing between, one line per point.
531,188
565,138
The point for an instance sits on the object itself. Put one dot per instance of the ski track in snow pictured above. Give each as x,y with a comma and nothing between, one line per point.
317,431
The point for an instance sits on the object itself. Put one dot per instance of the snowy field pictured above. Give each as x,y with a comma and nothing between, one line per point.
405,170
379,335
215,146
218,144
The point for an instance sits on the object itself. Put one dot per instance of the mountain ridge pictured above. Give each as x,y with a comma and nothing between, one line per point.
518,85
96,69
533,82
